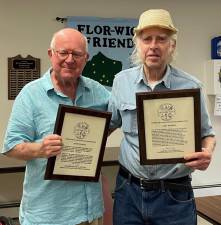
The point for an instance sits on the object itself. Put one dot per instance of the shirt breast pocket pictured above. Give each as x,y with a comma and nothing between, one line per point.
129,118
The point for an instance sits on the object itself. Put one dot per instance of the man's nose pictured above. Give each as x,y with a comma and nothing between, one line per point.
153,43
70,58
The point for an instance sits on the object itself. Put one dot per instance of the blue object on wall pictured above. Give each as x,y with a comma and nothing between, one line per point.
216,48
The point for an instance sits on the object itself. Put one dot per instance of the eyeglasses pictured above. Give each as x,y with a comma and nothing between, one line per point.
64,54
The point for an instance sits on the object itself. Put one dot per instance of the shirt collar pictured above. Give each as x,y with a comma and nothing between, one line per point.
83,86
141,76
166,78
48,85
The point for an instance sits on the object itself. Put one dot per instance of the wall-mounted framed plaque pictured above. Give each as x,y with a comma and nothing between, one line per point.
84,133
20,72
169,125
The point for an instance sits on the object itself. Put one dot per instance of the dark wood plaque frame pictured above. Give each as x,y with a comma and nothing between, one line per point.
145,96
62,110
20,72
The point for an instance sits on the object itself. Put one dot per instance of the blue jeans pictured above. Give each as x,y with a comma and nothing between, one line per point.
136,206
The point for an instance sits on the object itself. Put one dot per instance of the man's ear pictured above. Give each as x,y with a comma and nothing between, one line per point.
173,43
86,57
173,46
49,52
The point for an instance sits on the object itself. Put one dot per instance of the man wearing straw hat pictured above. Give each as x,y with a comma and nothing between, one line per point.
159,194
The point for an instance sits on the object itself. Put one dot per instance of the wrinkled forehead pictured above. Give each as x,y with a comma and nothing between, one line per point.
70,41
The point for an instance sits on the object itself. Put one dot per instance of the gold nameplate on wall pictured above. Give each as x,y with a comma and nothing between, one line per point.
20,72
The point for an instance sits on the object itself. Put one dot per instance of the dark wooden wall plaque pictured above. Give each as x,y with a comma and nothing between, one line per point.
20,72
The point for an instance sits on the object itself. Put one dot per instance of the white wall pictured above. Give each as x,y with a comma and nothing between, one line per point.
27,26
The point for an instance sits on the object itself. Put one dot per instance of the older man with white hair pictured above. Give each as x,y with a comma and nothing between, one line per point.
158,194
29,136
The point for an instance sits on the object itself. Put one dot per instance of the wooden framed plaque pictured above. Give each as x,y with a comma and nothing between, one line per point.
169,125
84,133
20,72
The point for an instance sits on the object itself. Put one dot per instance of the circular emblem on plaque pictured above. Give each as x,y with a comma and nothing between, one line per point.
81,130
166,111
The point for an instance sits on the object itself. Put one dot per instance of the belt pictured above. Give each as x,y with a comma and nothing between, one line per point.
178,184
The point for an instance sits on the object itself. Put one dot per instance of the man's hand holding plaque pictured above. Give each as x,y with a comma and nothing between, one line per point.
168,125
84,133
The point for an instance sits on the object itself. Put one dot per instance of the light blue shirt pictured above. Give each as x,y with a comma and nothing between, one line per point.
33,117
122,104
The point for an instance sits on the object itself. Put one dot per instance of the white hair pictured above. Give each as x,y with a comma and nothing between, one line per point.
135,57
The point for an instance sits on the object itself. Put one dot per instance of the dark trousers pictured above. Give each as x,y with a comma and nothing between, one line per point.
135,205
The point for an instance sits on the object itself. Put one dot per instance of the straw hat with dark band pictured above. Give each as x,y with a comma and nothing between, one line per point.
155,18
